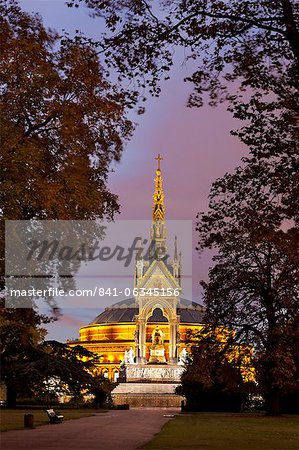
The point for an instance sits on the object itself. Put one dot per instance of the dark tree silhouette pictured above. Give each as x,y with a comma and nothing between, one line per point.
62,123
218,373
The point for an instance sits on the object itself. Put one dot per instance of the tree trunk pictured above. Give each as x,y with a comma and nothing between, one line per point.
291,32
273,403
11,396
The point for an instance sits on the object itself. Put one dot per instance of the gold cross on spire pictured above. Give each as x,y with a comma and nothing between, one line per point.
159,159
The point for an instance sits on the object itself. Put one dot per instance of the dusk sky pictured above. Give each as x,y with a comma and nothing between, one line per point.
195,144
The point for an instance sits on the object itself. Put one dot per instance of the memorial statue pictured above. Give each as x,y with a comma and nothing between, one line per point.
129,356
183,357
157,337
157,350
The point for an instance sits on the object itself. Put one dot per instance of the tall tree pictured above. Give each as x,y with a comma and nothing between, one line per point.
254,289
62,123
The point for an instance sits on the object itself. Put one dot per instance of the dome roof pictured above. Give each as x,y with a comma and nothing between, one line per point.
125,311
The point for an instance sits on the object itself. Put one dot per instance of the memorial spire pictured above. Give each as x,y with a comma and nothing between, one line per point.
158,207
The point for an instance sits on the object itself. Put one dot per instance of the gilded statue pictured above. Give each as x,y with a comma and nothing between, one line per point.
157,337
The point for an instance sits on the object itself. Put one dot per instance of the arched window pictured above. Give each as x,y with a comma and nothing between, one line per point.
115,376
157,316
105,373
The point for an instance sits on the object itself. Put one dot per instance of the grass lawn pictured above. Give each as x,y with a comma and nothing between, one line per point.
225,431
13,419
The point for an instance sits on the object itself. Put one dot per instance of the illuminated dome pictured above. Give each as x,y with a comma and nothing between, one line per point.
126,310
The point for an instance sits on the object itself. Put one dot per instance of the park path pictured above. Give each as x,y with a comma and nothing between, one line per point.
114,430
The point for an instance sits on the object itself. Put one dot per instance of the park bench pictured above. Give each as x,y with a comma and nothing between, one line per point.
53,417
